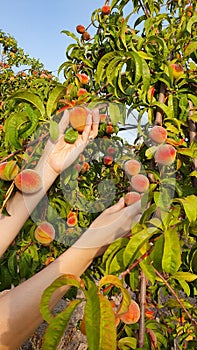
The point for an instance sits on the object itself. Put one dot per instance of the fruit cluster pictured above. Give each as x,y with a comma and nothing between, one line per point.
165,153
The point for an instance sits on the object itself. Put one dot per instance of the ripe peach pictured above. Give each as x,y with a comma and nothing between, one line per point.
86,36
80,29
28,181
158,134
77,117
109,128
72,220
103,118
131,197
81,92
49,260
165,154
8,170
83,78
106,9
132,315
111,150
139,183
44,233
150,93
177,70
78,167
132,167
108,160
85,167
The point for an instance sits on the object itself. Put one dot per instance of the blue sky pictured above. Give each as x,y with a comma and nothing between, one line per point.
37,25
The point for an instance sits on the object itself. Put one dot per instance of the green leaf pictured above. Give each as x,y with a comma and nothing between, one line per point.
191,21
92,317
117,113
54,130
31,98
58,325
135,243
72,35
33,116
53,99
101,68
9,168
192,46
166,109
69,280
107,339
127,343
12,264
12,132
148,269
187,276
113,280
71,135
171,259
189,204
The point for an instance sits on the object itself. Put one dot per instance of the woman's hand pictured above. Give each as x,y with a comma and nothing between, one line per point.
113,223
61,154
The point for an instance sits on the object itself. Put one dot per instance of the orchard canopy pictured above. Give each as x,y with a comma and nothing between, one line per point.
137,60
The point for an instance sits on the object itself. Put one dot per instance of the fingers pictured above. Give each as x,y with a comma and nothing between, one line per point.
64,122
116,207
87,129
95,122
134,209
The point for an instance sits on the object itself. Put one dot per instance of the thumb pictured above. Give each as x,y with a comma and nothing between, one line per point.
116,207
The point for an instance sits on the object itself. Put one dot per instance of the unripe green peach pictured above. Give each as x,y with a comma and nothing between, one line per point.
131,198
165,154
132,167
44,233
158,134
140,183
8,170
28,181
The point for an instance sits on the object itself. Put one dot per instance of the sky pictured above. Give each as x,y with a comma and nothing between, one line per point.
37,24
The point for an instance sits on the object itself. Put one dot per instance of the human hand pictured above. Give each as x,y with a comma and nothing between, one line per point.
60,155
113,223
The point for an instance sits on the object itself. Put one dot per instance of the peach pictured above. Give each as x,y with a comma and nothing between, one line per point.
109,128
165,154
86,36
108,160
132,315
150,93
77,117
72,219
131,198
8,170
83,78
158,134
81,92
106,9
85,167
49,260
80,29
28,181
177,70
140,183
44,233
78,167
111,150
103,118
132,167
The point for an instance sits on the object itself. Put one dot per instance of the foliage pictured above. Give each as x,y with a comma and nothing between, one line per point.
129,68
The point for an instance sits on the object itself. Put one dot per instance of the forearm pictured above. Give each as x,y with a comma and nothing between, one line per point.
22,303
21,206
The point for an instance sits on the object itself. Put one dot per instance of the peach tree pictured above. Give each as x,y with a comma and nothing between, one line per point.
141,67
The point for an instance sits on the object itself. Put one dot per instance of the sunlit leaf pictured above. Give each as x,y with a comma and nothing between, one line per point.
171,259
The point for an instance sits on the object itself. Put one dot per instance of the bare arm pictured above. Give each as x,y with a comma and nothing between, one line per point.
19,308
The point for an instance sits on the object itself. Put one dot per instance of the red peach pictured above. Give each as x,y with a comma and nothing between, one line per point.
85,167
150,93
72,220
77,117
81,92
44,233
103,118
132,315
106,9
83,78
158,134
49,260
78,167
109,128
80,29
86,36
131,198
132,167
165,154
139,183
28,181
111,150
108,160
8,170
177,70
